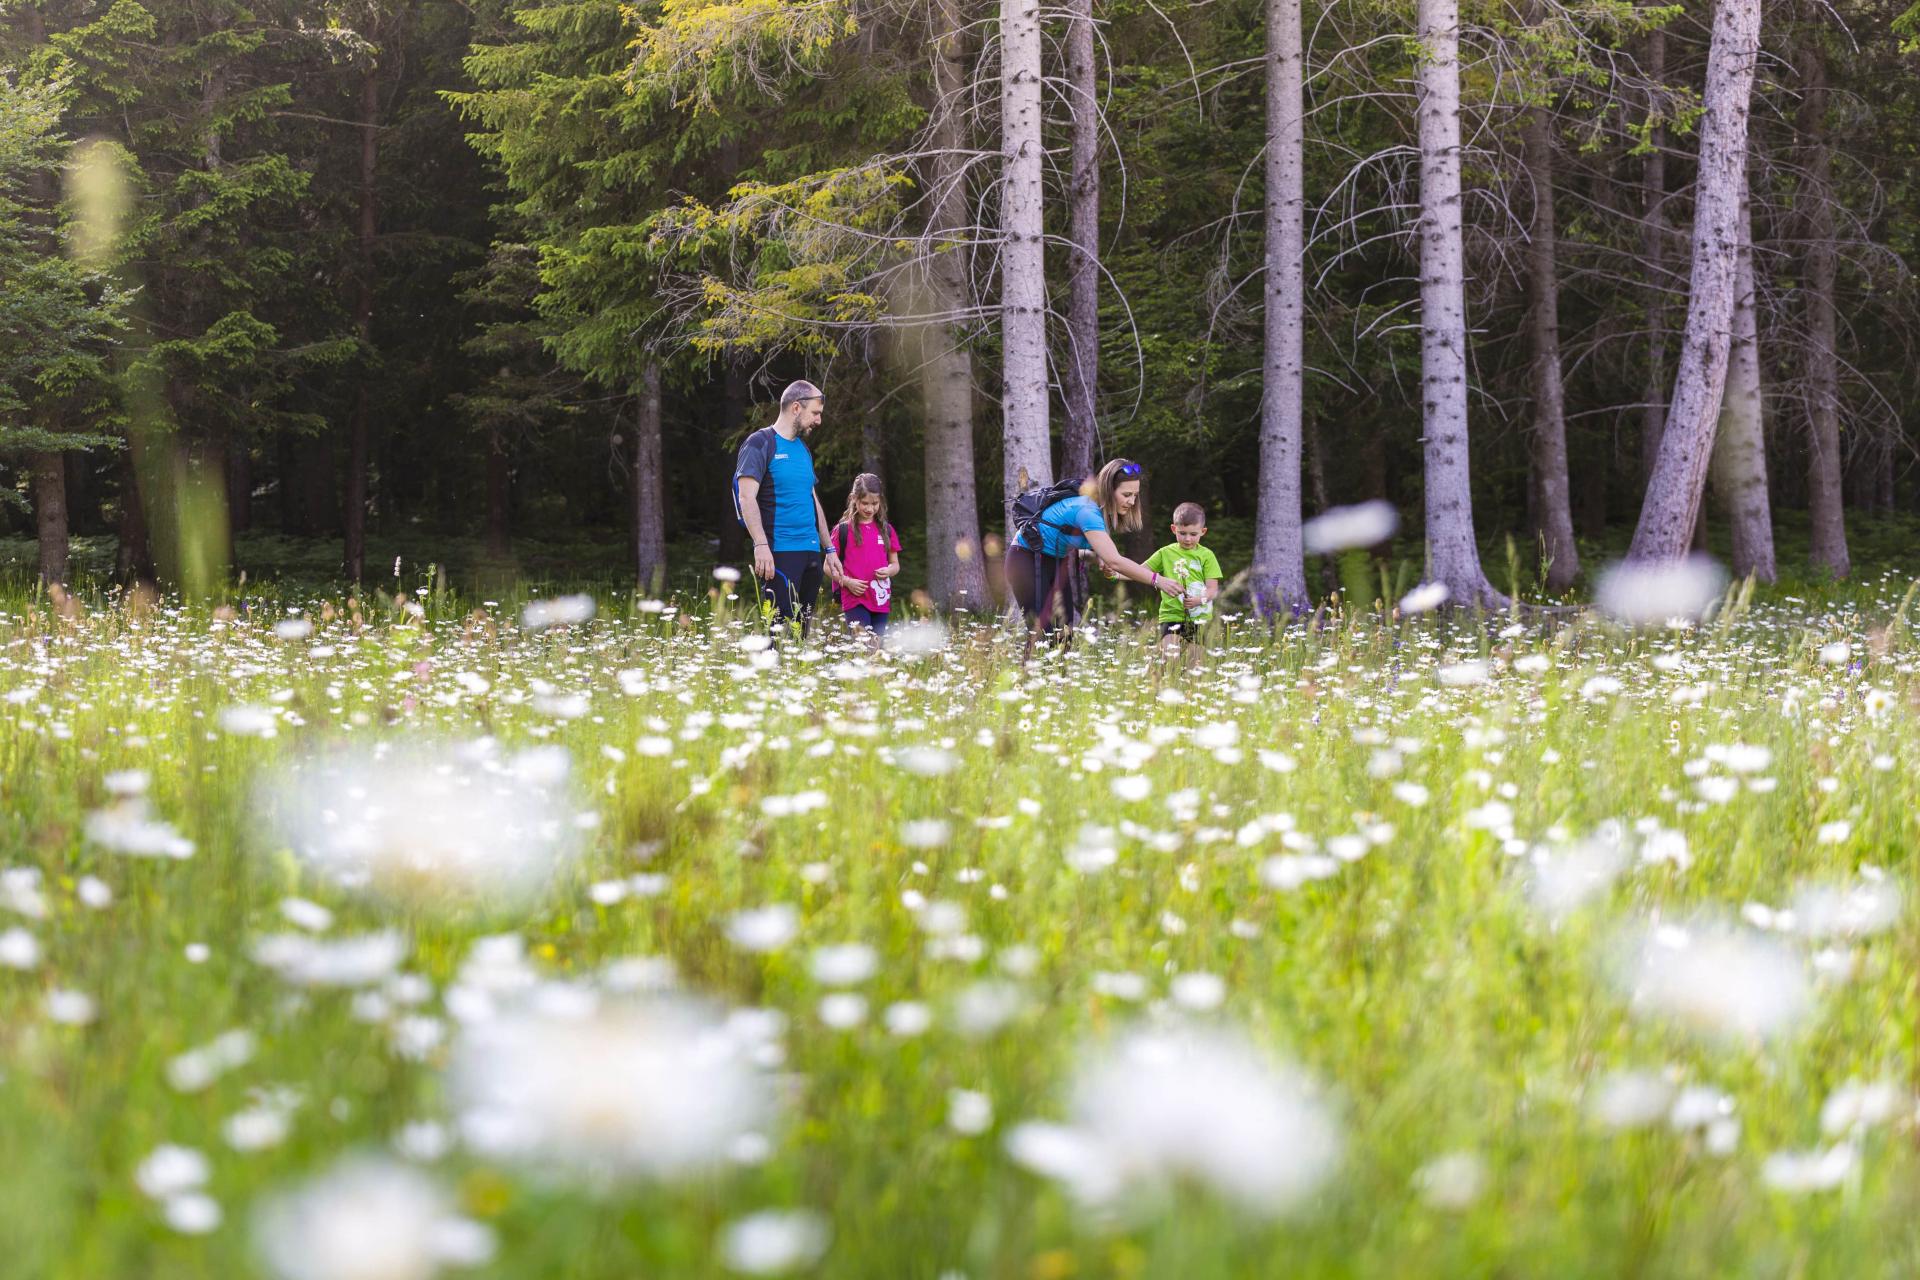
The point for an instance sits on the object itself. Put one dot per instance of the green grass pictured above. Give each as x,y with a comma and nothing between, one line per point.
1439,1010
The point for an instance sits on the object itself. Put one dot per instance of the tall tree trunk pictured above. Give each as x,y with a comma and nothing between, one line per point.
649,485
1452,556
1739,468
499,496
1824,492
358,426
1023,266
1549,452
49,469
1672,504
956,564
1079,376
1653,242
133,559
1279,575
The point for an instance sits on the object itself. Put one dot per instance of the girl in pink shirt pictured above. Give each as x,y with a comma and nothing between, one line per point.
869,553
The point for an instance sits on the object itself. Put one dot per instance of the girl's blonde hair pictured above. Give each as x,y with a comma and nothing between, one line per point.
865,485
1110,477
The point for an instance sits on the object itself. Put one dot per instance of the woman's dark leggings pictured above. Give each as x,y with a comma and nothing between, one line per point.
1041,586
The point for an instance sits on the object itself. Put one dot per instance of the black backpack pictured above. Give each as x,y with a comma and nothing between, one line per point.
1029,506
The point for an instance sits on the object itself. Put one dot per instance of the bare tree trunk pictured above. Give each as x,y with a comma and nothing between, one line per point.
956,565
1672,503
1549,451
1653,411
133,559
49,470
1824,491
1079,376
354,514
649,485
1023,267
1739,468
1452,556
1279,575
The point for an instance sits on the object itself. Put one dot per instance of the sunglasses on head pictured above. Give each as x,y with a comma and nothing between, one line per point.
1128,471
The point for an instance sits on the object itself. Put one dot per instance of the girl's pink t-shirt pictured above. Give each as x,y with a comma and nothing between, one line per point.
864,554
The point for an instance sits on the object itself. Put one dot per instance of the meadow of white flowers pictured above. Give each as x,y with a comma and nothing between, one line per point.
384,941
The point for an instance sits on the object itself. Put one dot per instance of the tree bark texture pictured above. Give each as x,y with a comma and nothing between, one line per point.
133,558
1279,573
1080,372
1653,409
1672,503
49,470
1739,468
1549,452
649,485
359,427
1023,267
1825,494
956,565
1452,556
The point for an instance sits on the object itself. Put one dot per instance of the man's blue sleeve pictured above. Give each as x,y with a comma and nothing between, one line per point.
756,453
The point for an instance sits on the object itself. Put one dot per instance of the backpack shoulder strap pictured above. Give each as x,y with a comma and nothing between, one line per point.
840,541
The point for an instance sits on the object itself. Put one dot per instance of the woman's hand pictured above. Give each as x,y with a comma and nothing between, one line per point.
1169,586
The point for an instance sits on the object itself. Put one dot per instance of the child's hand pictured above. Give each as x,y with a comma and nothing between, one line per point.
853,586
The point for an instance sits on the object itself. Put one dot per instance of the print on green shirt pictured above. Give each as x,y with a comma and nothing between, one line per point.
1185,567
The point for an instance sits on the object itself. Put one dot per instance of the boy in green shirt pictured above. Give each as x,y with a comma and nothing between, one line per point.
1193,566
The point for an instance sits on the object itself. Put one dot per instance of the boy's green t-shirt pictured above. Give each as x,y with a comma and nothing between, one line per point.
1185,567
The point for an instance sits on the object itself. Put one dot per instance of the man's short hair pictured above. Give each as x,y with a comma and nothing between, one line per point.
798,391
1190,513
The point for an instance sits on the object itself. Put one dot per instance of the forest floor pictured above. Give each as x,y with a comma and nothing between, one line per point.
344,946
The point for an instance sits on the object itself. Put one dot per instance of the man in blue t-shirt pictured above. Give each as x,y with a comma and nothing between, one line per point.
773,484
